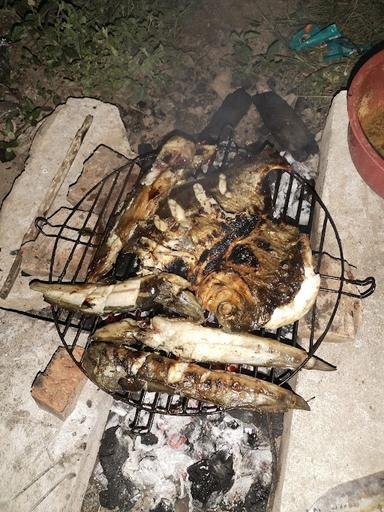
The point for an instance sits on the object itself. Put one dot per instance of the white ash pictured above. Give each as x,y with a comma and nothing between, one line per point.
307,169
99,476
159,471
292,208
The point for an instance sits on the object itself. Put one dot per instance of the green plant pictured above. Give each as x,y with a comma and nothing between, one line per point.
9,142
24,115
243,51
101,46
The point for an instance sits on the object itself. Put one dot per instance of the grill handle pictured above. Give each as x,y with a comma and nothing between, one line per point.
46,227
369,285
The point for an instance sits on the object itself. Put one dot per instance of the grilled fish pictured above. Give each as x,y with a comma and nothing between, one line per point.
177,158
110,366
245,267
164,290
206,344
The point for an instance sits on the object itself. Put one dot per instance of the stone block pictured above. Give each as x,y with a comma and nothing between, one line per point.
29,192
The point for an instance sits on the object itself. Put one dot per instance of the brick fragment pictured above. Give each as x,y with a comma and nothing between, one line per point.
57,388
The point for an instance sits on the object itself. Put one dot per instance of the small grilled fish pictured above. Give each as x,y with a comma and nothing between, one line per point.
165,290
110,365
206,344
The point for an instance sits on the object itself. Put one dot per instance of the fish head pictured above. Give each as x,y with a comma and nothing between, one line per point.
227,296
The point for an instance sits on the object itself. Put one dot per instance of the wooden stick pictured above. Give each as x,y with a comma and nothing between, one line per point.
56,183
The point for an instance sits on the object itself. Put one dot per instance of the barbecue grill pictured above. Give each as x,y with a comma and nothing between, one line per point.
294,200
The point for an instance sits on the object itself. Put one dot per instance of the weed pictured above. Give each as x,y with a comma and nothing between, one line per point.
306,72
103,46
243,51
9,141
24,115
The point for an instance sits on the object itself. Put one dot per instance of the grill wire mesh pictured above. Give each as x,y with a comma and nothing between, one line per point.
294,200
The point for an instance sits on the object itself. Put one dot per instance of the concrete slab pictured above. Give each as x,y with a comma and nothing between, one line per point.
45,462
342,437
48,150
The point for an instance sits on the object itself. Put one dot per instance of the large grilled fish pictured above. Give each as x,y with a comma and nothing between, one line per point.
206,344
113,367
245,267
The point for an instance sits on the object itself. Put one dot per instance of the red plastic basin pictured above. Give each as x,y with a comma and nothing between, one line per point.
368,84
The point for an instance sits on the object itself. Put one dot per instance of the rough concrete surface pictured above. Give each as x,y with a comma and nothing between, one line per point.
342,437
45,462
47,152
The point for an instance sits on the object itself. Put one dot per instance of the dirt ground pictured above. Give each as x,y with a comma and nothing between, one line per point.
211,67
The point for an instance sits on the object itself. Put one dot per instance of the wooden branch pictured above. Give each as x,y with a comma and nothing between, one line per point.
56,183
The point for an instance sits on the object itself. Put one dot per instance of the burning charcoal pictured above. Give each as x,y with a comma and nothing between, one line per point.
211,475
253,440
163,506
127,265
120,492
256,499
149,439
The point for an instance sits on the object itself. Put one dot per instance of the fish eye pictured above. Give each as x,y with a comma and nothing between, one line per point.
225,309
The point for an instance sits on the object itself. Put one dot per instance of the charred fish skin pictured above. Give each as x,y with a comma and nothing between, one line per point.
164,290
112,377
194,342
107,364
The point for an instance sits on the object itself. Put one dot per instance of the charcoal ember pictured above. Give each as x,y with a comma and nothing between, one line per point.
149,439
256,499
253,440
163,506
213,475
120,491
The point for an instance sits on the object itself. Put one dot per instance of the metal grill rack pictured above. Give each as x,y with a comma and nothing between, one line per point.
294,200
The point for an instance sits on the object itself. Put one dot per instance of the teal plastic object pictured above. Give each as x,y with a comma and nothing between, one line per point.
337,45
311,36
342,47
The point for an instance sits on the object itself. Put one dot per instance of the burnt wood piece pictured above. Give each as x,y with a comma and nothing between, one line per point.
232,110
286,127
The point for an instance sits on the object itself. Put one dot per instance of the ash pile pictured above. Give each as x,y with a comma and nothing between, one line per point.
222,462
